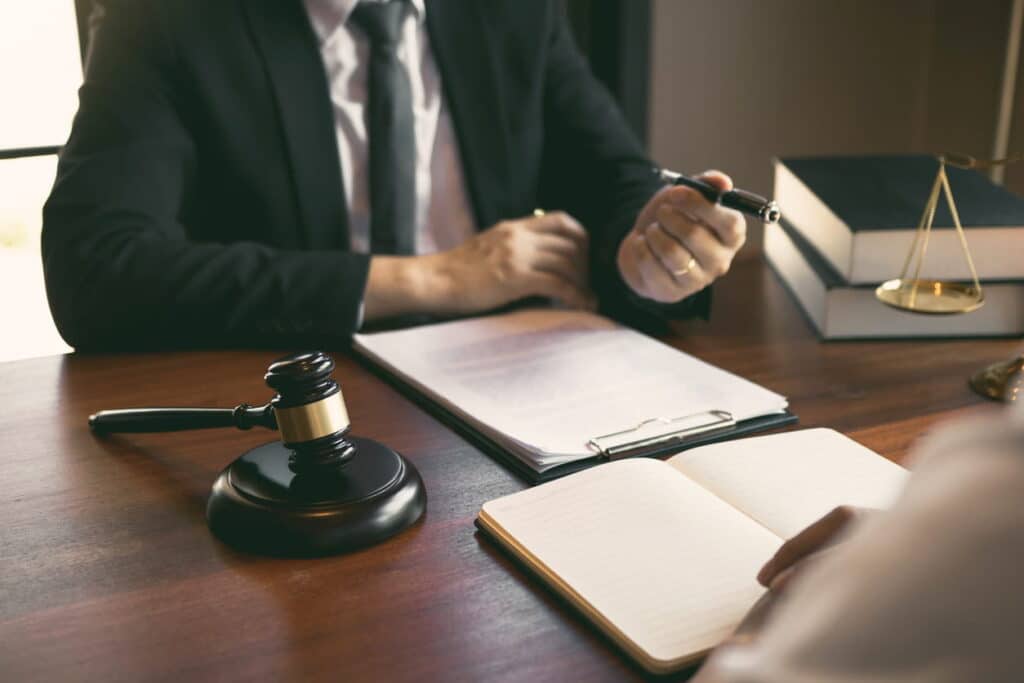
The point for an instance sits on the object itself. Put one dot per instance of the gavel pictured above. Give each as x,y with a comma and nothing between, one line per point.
308,410
317,491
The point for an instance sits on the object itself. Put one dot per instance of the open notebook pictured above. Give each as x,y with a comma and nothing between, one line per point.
662,555
543,384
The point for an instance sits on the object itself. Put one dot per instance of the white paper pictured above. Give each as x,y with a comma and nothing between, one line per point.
671,566
669,561
760,475
544,382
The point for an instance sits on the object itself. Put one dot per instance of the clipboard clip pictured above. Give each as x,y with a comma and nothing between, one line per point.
659,430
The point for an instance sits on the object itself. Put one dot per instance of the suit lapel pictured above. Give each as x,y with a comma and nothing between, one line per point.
460,39
294,66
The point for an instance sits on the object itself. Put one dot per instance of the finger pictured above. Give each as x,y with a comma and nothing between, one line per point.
795,549
659,284
781,580
562,265
732,235
807,542
559,254
786,576
560,245
720,181
681,263
713,256
552,286
628,258
728,225
559,223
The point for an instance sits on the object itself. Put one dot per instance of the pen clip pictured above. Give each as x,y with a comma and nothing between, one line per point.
667,176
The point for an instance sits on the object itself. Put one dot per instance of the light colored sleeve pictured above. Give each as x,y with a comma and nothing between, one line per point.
932,591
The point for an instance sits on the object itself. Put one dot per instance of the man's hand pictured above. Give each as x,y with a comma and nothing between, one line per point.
795,552
543,255
681,243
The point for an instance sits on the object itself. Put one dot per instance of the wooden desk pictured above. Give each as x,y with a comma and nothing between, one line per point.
107,571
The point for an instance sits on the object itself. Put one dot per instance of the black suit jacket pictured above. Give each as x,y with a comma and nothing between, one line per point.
199,200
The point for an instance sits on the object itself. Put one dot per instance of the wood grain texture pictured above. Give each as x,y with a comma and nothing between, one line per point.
107,570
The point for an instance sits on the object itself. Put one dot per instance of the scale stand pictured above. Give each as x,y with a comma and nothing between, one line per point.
1001,381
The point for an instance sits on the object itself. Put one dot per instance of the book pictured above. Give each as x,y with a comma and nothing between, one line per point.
838,310
662,556
555,388
861,213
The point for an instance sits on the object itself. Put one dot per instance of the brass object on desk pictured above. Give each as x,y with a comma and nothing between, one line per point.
933,297
1001,381
937,297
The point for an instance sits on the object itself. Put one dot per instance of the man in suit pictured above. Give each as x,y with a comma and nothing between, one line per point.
273,171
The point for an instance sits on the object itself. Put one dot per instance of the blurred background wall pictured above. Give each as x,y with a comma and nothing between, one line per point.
737,82
733,83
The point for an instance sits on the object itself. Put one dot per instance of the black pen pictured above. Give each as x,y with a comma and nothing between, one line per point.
741,200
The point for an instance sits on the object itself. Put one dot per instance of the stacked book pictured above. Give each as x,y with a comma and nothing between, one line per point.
849,224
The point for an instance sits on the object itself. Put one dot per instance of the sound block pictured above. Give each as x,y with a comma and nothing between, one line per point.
259,505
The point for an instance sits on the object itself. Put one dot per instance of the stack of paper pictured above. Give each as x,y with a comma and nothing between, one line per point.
543,383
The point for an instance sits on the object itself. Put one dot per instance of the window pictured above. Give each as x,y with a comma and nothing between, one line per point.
40,72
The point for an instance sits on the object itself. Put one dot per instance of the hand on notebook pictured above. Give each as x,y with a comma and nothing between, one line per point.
681,243
797,551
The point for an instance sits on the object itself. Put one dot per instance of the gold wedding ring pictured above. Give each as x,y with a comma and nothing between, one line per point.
683,271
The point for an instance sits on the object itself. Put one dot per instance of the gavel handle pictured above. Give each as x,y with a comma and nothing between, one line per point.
140,420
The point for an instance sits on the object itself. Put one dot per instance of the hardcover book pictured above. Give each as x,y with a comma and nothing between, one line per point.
861,214
838,310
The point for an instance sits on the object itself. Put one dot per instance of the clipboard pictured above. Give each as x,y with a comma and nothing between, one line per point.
657,436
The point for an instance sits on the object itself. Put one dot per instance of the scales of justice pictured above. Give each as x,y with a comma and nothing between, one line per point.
944,297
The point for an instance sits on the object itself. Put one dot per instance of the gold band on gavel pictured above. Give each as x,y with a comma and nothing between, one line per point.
313,420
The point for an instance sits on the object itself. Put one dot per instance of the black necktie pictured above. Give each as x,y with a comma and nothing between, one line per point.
392,135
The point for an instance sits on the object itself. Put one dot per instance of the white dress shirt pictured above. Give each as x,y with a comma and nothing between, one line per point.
444,218
930,592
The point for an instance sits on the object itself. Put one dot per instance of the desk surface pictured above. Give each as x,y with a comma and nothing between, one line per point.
107,571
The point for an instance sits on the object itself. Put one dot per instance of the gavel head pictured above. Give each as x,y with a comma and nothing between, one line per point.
338,492
310,412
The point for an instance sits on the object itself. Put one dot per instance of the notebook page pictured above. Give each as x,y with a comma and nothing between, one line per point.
787,481
670,566
551,380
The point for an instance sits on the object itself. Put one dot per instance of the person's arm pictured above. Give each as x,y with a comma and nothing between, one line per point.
794,556
121,269
542,256
596,169
927,591
799,552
